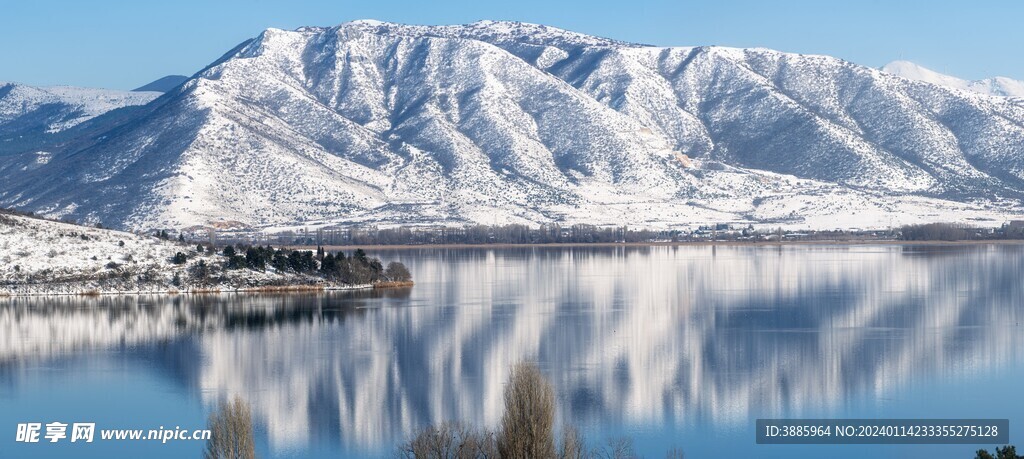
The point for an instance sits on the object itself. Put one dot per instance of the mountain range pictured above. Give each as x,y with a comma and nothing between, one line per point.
26,110
997,86
502,122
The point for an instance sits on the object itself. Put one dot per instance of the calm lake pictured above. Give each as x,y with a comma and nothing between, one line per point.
671,346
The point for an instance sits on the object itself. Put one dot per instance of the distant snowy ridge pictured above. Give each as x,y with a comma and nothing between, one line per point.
56,108
998,86
498,122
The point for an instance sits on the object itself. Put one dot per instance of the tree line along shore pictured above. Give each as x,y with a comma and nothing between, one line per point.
45,257
476,235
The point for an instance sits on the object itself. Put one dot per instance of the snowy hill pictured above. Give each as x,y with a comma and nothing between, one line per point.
998,86
55,108
46,257
497,122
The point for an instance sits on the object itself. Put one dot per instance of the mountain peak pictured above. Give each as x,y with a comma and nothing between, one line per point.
997,86
491,31
370,22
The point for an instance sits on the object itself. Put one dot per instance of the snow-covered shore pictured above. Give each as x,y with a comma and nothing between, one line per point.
42,257
52,290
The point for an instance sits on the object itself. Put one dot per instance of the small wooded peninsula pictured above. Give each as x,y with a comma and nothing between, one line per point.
45,257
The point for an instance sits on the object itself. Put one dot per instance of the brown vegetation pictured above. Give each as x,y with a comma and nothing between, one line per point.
574,446
231,432
393,284
283,288
939,232
527,430
450,441
527,427
205,290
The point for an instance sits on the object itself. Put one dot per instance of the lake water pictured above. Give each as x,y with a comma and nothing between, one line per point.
670,346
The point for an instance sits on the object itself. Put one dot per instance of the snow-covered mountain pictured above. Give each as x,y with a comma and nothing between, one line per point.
26,108
998,86
497,122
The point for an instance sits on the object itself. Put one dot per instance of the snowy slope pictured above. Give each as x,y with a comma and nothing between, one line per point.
998,86
46,257
497,122
57,108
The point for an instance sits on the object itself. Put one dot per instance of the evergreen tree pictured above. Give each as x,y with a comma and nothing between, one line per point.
376,270
329,266
308,262
280,261
295,261
254,259
236,262
360,256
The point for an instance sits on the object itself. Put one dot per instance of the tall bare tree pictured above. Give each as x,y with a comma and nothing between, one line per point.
231,432
527,427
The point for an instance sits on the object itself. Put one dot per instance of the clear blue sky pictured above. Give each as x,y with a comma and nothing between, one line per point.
124,44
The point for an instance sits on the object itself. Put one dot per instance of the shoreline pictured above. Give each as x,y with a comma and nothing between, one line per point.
659,244
218,291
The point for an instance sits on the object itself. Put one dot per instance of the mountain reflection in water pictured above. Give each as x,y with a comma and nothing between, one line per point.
640,335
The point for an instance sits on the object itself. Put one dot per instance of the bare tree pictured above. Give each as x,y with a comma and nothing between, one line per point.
574,446
527,427
449,441
619,448
231,432
397,272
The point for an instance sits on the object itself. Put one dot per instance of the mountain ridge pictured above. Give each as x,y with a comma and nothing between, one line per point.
56,108
995,86
495,122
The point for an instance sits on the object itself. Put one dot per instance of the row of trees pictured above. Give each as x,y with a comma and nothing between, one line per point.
548,234
476,234
939,232
960,232
355,269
